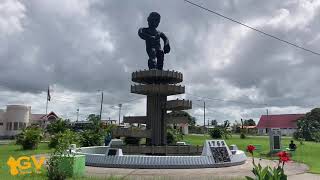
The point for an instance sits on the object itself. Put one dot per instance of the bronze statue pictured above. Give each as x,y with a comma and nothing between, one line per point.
152,37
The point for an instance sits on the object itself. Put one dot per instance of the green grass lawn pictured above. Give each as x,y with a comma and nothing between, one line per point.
15,151
307,153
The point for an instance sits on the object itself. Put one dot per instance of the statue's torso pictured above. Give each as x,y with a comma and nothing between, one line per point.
154,43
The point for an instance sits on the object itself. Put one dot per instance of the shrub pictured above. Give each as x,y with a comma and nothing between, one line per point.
69,135
173,136
30,137
57,126
242,136
316,136
91,138
54,163
216,133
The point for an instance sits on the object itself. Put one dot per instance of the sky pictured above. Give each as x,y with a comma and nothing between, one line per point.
83,47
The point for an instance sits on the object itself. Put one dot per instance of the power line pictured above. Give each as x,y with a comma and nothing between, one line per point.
252,28
226,100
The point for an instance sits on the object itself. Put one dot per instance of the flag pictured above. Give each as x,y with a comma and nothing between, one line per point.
48,94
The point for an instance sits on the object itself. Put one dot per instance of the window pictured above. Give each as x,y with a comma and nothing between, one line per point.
9,126
1,123
20,125
15,126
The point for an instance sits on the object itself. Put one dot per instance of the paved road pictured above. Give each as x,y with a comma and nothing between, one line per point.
294,170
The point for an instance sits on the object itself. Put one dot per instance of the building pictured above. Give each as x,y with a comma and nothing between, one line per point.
17,117
286,122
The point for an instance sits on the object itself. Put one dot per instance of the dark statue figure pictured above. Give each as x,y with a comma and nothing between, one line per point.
152,37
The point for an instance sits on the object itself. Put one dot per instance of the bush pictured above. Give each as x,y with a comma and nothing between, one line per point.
216,133
63,143
92,138
173,136
30,137
132,140
195,130
69,135
242,136
316,136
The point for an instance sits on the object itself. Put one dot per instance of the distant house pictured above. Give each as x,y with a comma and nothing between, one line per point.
286,122
17,117
43,119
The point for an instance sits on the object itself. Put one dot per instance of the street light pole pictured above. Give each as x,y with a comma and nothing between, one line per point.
204,116
101,105
120,105
77,114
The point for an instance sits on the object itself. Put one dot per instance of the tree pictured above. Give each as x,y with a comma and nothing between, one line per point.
249,122
214,122
221,131
309,126
191,120
95,119
95,133
58,126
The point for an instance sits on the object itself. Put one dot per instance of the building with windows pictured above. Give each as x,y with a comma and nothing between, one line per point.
17,117
286,122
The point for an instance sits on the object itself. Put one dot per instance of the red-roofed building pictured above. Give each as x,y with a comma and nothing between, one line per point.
42,119
286,122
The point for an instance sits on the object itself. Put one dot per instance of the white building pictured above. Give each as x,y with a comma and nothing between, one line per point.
17,117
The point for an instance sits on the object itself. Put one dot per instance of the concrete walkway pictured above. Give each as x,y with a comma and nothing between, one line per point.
294,171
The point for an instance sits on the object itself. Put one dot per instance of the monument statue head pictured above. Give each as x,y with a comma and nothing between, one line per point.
154,19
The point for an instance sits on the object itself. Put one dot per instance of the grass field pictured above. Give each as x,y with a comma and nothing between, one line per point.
307,153
15,151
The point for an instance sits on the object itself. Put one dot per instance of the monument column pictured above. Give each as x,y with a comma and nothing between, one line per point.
155,113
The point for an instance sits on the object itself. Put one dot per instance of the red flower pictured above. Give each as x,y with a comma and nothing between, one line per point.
283,156
251,148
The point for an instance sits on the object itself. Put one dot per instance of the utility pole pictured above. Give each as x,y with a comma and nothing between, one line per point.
101,105
204,116
77,114
120,105
268,119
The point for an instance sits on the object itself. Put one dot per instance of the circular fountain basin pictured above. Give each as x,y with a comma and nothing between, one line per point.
105,156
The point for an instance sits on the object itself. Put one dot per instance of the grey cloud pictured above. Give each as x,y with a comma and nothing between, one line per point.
89,45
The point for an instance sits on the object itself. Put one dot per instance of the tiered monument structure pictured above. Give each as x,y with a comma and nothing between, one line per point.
157,85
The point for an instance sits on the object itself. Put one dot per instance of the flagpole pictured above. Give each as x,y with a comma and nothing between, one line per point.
48,91
47,108
48,99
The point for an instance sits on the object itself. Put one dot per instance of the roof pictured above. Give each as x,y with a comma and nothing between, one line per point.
40,117
279,121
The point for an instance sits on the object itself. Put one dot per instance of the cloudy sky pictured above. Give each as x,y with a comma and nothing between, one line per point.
81,46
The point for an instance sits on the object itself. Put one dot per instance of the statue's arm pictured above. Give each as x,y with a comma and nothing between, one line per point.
143,35
164,38
166,47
